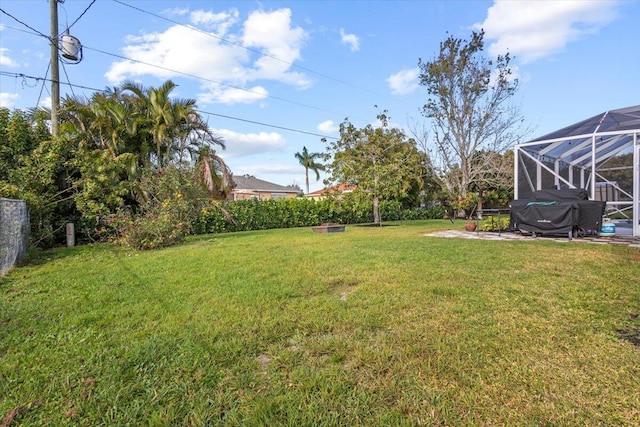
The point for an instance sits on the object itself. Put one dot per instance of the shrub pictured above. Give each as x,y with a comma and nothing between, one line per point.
245,215
170,200
154,230
494,223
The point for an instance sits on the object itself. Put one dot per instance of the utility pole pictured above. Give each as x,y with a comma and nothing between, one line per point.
55,68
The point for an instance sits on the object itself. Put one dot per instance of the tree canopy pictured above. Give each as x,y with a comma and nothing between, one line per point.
379,161
473,121
112,154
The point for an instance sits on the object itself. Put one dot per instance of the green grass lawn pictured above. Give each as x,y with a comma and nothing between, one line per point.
370,327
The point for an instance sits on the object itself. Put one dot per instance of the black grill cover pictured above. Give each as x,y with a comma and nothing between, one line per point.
558,195
547,218
590,214
515,207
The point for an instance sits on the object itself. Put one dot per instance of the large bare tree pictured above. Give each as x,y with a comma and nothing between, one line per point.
472,118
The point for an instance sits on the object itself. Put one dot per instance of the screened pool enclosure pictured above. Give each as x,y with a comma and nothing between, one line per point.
600,154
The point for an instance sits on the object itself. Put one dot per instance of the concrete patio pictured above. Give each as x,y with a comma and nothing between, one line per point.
508,235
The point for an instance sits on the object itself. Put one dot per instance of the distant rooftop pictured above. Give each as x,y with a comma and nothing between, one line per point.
340,188
249,182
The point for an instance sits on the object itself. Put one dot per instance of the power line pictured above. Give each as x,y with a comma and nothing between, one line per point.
67,75
211,80
186,74
26,25
81,15
266,124
24,76
256,51
38,79
43,84
204,78
9,27
214,81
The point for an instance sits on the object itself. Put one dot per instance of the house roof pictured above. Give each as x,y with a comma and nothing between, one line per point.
248,183
340,188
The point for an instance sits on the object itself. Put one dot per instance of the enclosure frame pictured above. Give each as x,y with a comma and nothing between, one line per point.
576,156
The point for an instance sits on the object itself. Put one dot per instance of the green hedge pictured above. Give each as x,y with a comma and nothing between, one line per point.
246,215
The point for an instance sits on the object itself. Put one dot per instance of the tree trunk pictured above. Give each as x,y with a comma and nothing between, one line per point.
376,211
306,175
480,201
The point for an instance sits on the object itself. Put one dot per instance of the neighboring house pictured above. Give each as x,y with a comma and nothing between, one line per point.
249,187
334,190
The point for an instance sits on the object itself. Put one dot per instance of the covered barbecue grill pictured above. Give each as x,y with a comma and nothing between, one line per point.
565,211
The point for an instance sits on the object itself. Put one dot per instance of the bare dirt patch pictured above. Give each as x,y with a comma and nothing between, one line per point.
632,335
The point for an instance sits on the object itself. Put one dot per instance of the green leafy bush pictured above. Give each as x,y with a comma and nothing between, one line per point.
494,223
169,201
154,229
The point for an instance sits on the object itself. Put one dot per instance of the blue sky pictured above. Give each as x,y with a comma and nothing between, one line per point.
274,76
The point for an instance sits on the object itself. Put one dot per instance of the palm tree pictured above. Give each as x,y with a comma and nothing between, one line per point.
106,121
215,173
172,124
308,160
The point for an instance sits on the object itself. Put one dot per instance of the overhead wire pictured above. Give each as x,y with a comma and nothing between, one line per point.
4,73
202,78
213,81
259,52
8,74
37,33
81,15
64,68
266,124
25,24
43,83
205,79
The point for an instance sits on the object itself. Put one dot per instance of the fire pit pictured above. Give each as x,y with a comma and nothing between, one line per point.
328,227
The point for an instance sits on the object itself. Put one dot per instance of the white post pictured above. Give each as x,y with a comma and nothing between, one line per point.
71,235
539,173
571,175
636,186
516,159
593,167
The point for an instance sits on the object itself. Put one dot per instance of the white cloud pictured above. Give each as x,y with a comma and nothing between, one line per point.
176,11
230,95
178,49
223,67
46,102
247,144
220,23
5,61
350,39
404,82
328,126
8,100
531,30
271,32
